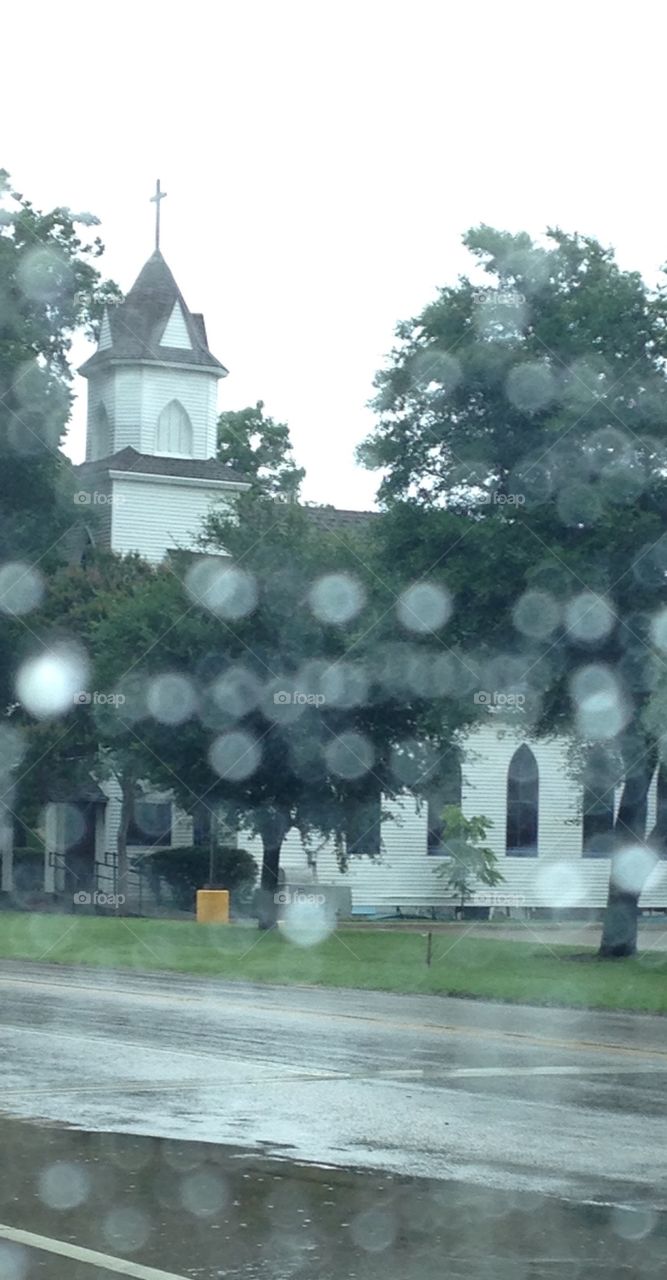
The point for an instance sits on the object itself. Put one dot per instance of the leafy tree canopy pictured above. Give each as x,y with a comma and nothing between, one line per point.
259,448
50,287
522,427
297,677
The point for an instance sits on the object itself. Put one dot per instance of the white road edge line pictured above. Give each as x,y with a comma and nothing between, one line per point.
121,1266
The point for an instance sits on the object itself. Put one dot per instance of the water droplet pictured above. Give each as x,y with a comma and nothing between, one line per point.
336,598
47,685
235,755
350,755
171,698
21,588
536,614
589,617
424,607
225,589
63,1185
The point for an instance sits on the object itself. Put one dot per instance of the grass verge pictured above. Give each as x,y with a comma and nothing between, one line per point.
524,972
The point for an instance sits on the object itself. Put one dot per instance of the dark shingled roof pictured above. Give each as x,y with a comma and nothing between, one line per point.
138,323
337,520
129,459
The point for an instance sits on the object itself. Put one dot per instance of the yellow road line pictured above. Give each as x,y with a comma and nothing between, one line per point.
440,1029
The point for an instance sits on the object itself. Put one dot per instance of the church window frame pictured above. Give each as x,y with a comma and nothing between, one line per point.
523,805
173,432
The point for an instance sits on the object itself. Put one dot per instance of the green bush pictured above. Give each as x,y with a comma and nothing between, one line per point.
28,869
187,869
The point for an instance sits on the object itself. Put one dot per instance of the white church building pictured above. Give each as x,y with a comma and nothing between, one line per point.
152,475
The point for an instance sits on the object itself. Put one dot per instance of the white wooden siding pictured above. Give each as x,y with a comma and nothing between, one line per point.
105,339
127,401
134,397
155,515
101,391
181,823
404,874
175,332
196,391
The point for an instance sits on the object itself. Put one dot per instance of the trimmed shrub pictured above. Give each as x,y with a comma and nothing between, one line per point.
187,869
28,869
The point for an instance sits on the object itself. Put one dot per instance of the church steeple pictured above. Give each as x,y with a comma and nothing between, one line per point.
152,380
153,310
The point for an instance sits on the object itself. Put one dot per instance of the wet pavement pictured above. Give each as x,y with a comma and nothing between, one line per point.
217,1129
203,1211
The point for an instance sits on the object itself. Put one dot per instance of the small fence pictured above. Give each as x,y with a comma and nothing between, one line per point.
146,893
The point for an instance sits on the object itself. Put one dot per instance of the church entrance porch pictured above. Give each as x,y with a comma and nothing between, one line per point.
74,840
79,853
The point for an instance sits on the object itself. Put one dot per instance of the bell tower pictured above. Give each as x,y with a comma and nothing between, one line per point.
152,382
151,470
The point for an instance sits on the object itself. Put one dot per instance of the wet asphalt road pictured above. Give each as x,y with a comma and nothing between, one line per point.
568,1103
201,1212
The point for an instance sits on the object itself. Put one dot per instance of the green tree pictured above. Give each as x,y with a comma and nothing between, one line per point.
63,752
259,449
536,383
291,678
469,861
50,288
532,406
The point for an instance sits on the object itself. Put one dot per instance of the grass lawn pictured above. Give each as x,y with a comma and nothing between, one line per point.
526,972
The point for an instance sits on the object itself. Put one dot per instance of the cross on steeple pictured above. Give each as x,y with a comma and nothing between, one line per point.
159,195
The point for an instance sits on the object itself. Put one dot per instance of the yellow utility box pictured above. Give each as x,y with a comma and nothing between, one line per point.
213,906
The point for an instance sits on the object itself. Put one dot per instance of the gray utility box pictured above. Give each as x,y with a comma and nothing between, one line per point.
331,899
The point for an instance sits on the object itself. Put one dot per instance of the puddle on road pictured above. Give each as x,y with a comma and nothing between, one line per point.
210,1212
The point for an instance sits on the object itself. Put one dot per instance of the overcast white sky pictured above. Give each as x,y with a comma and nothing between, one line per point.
322,163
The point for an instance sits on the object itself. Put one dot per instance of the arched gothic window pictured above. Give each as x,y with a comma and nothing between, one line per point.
522,804
174,430
102,439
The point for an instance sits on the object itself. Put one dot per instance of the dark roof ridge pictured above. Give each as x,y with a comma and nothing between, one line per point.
137,324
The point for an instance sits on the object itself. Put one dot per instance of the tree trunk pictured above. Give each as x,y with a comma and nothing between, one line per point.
268,889
619,929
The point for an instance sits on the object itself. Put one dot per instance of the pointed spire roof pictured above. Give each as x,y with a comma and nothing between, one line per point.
137,325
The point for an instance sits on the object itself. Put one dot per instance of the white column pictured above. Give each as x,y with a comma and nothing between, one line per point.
52,827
